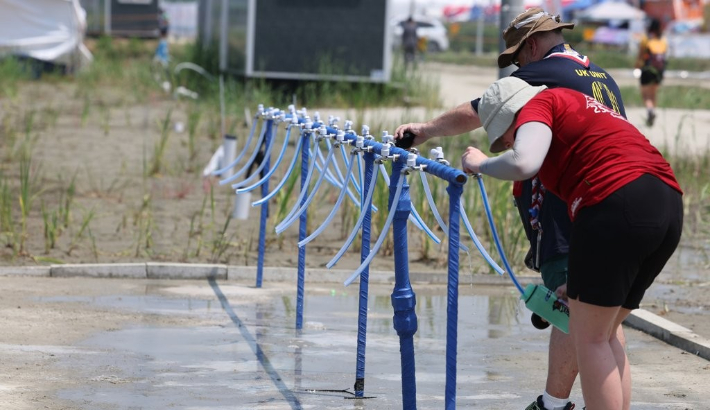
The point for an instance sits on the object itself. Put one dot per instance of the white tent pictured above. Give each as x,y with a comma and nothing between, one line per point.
611,10
46,30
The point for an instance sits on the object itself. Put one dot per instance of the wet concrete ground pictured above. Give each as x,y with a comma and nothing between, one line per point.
198,344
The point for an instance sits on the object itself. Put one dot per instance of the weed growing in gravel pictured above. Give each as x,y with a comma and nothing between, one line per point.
157,161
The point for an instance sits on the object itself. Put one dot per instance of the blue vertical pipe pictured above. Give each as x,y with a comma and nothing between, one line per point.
303,220
452,309
364,278
264,206
403,297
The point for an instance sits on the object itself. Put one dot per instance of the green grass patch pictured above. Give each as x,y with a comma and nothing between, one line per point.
670,96
607,59
122,76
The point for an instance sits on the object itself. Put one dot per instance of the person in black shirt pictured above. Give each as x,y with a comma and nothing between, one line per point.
410,40
534,43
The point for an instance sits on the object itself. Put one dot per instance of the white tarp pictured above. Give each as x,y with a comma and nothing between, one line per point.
46,30
611,10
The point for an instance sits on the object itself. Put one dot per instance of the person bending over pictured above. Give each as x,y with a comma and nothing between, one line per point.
534,43
606,171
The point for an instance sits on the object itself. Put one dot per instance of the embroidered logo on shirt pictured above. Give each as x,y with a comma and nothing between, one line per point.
570,53
575,204
601,108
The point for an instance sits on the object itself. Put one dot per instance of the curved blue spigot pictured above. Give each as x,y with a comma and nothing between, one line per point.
246,145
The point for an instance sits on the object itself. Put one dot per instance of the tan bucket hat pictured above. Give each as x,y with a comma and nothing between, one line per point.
499,104
534,20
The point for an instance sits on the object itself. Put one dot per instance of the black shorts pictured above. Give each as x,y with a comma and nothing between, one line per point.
651,75
621,244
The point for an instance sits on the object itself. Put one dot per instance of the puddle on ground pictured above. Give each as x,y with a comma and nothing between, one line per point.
254,358
257,357
145,304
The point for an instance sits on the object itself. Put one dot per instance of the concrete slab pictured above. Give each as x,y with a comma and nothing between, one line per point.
669,332
24,271
107,270
185,271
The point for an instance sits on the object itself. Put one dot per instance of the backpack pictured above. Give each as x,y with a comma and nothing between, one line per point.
656,49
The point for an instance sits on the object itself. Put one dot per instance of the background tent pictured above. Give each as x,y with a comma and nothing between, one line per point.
620,24
611,10
50,31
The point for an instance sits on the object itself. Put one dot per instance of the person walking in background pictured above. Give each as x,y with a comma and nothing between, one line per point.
410,41
652,59
163,22
534,42
162,54
605,170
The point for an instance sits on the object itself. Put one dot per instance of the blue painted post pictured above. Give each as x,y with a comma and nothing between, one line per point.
264,207
364,278
403,297
303,219
452,311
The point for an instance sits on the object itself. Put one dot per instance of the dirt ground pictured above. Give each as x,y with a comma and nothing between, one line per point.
118,215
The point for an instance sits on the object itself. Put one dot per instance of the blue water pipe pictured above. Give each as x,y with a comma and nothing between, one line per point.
332,213
344,155
333,180
260,113
265,176
435,210
268,146
331,128
265,130
340,179
414,215
364,264
358,223
487,207
452,305
403,298
284,179
306,180
332,121
300,286
266,115
276,163
304,204
369,173
264,209
442,171
477,242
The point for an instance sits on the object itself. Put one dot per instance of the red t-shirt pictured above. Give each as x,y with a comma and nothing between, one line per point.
594,150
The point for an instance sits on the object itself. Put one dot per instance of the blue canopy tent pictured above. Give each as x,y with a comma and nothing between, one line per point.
569,11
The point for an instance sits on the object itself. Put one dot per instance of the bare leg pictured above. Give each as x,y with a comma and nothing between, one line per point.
618,345
648,94
601,366
653,93
562,364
